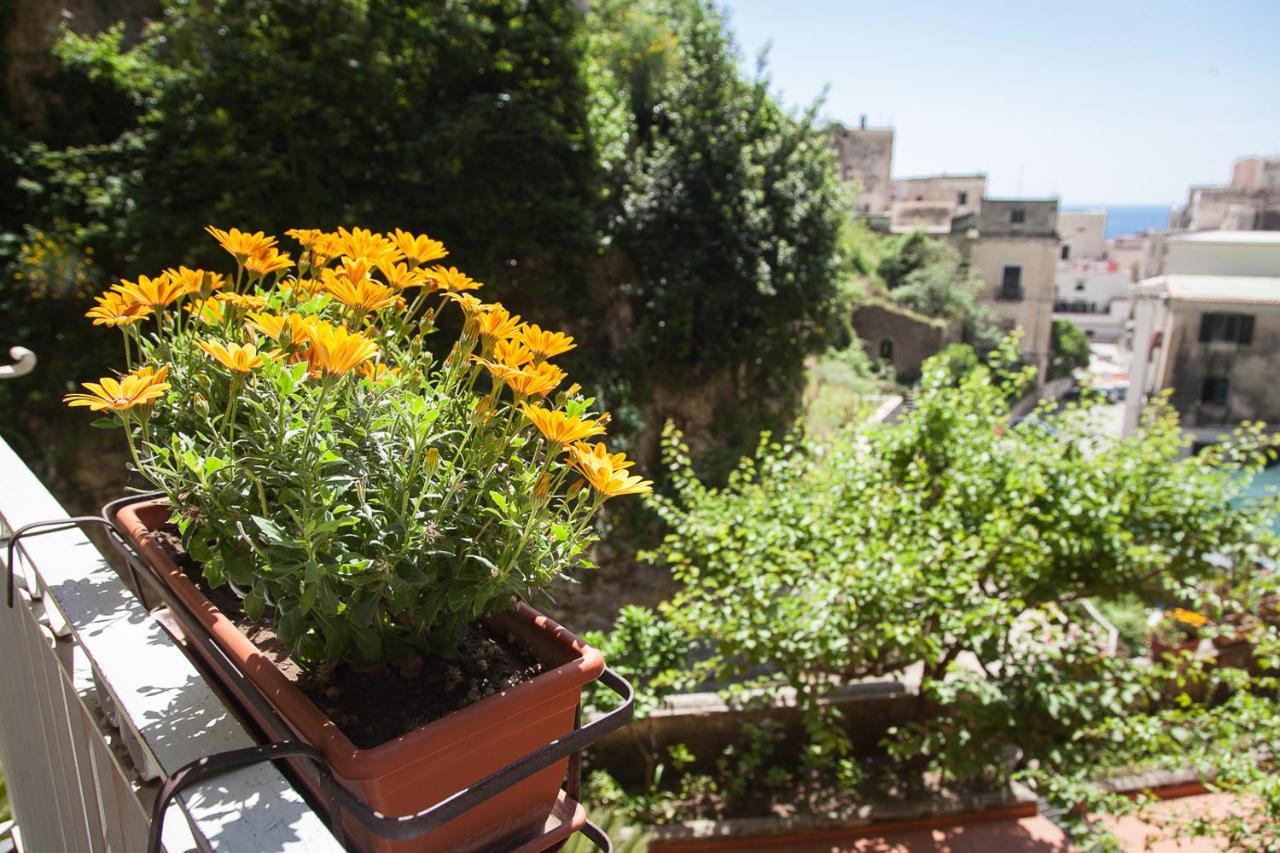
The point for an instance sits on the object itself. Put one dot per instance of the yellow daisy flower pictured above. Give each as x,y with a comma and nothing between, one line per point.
155,292
559,428
544,344
115,309
241,244
139,388
194,281
363,243
238,358
336,350
268,261
243,300
211,311
452,279
419,249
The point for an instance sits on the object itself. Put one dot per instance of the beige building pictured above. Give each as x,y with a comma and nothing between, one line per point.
1091,289
864,162
1013,246
1251,202
963,192
1083,235
1208,328
931,217
1129,252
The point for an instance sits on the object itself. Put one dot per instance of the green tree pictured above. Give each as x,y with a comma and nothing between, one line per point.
929,276
467,120
722,211
909,253
1069,348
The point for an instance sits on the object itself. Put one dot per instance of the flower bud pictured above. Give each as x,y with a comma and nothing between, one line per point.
543,487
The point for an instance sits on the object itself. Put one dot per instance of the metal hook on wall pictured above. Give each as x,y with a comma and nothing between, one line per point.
24,361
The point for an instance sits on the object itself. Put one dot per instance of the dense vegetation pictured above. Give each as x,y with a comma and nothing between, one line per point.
612,169
961,540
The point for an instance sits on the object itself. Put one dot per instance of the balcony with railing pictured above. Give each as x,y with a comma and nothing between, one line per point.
101,705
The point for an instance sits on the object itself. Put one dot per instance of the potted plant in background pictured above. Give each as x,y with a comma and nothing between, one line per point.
358,523
1176,630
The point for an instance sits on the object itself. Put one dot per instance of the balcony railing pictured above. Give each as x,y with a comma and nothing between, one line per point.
99,703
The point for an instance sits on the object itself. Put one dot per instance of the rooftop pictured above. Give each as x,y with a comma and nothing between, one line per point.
1271,238
1241,289
969,175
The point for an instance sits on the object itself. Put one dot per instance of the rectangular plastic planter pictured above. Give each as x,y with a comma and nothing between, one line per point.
429,764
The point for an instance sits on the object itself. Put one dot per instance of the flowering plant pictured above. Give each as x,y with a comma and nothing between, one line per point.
1176,626
368,497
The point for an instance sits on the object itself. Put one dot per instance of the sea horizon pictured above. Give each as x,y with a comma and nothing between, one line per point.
1125,219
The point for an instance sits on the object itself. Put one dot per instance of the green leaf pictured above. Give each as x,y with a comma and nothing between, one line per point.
269,529
254,604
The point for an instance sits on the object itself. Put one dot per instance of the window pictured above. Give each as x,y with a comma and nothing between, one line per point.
1214,391
1079,285
1233,328
1066,251
1017,216
1011,283
962,197
886,349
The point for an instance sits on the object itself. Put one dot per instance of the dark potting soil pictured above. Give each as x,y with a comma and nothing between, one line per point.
375,704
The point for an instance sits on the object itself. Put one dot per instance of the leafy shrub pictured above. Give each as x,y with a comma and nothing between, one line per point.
1070,349
368,497
648,651
941,535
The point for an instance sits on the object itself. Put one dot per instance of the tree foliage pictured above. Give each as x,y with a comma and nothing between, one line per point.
468,117
952,532
610,168
1070,349
928,276
724,209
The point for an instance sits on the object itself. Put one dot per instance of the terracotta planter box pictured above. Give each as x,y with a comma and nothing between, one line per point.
419,769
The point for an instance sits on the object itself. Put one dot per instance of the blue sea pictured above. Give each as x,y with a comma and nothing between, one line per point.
1129,218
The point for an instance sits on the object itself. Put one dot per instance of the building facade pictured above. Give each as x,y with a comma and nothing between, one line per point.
1208,329
963,192
1091,289
864,163
1013,246
1083,235
1251,202
1096,296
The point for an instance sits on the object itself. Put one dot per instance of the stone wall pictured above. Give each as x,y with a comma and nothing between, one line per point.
864,157
1000,217
906,337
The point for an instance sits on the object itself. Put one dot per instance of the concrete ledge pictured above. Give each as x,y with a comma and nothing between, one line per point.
706,723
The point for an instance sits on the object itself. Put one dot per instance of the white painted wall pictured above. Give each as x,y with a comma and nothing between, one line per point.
1209,254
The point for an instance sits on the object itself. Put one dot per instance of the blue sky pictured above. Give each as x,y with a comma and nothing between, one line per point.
1120,102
